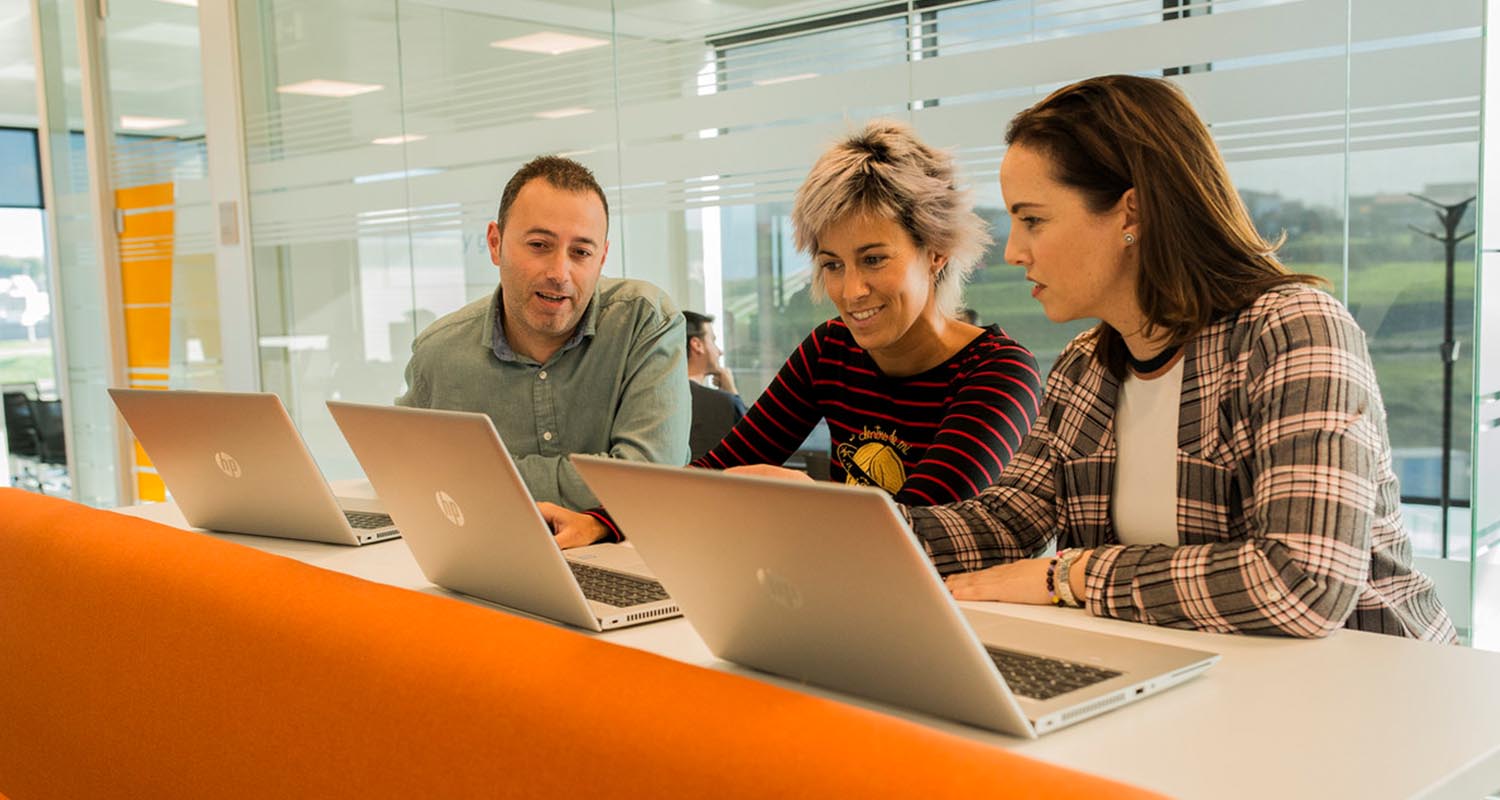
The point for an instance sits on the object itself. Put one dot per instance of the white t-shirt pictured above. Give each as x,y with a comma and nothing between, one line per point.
1144,506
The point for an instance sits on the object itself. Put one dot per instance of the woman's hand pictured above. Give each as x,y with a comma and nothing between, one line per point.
768,471
1019,581
570,528
1016,582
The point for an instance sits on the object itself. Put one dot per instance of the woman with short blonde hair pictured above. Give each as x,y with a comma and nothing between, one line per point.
918,402
885,171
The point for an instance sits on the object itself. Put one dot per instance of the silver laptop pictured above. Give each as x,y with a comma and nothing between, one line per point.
450,484
825,584
235,462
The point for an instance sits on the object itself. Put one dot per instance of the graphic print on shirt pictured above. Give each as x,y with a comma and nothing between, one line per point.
872,457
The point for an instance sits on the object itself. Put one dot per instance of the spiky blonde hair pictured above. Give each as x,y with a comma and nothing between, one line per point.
886,171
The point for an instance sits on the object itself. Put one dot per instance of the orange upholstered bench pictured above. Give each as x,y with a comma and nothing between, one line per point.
141,661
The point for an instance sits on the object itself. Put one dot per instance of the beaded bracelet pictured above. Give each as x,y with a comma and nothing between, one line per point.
1052,596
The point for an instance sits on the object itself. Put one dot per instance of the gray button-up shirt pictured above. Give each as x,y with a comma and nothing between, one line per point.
618,387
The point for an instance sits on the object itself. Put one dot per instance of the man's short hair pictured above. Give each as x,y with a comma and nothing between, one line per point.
697,324
563,173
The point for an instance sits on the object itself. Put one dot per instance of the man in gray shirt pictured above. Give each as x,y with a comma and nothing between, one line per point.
563,360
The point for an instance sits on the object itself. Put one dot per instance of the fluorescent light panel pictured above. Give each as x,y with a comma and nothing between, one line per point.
319,87
563,113
550,43
130,123
379,177
192,3
785,79
402,139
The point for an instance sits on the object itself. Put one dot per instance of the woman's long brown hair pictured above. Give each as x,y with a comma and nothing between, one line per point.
1200,254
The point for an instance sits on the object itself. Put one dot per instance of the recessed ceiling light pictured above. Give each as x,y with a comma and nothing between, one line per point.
325,88
402,139
414,172
551,43
785,79
129,123
193,3
562,113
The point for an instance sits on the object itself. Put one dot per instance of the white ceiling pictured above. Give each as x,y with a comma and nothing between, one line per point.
154,59
17,67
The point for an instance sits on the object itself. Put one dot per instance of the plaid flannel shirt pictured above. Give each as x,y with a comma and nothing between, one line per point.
1288,513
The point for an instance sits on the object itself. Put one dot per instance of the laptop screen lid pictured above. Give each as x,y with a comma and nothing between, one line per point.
772,574
450,484
234,462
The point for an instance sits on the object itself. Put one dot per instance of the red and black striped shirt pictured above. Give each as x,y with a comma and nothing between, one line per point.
936,437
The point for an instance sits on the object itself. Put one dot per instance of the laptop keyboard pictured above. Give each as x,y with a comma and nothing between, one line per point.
364,521
614,588
1042,678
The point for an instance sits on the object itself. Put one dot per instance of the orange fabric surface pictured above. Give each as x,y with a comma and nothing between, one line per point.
144,661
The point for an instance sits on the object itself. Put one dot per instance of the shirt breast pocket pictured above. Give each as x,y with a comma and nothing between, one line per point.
1210,502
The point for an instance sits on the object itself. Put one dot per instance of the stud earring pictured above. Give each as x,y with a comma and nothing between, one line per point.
1129,238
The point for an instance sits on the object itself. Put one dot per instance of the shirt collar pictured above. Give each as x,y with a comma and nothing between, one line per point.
501,346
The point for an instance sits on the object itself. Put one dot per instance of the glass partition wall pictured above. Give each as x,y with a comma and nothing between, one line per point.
131,230
1485,547
164,220
377,135
380,135
81,307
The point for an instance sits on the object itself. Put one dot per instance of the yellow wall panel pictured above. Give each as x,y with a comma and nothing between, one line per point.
149,488
147,281
147,225
148,196
148,342
146,249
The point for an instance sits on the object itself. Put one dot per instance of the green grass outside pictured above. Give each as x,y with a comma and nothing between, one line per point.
20,361
1399,303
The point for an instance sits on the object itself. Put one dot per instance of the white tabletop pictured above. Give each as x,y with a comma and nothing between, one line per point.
1355,715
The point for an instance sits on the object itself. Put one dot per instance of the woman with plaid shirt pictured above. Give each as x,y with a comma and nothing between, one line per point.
1213,454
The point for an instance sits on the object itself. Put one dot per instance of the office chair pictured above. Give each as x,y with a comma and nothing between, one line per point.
817,464
20,426
21,440
52,448
51,442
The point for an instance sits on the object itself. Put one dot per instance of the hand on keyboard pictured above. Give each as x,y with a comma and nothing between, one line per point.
570,528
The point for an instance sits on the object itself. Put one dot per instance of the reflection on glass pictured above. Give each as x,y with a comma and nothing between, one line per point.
368,209
80,303
166,223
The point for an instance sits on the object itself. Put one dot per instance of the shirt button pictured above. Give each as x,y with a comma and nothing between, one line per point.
542,375
547,437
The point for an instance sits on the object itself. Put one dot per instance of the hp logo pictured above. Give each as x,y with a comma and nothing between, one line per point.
450,508
227,464
781,590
